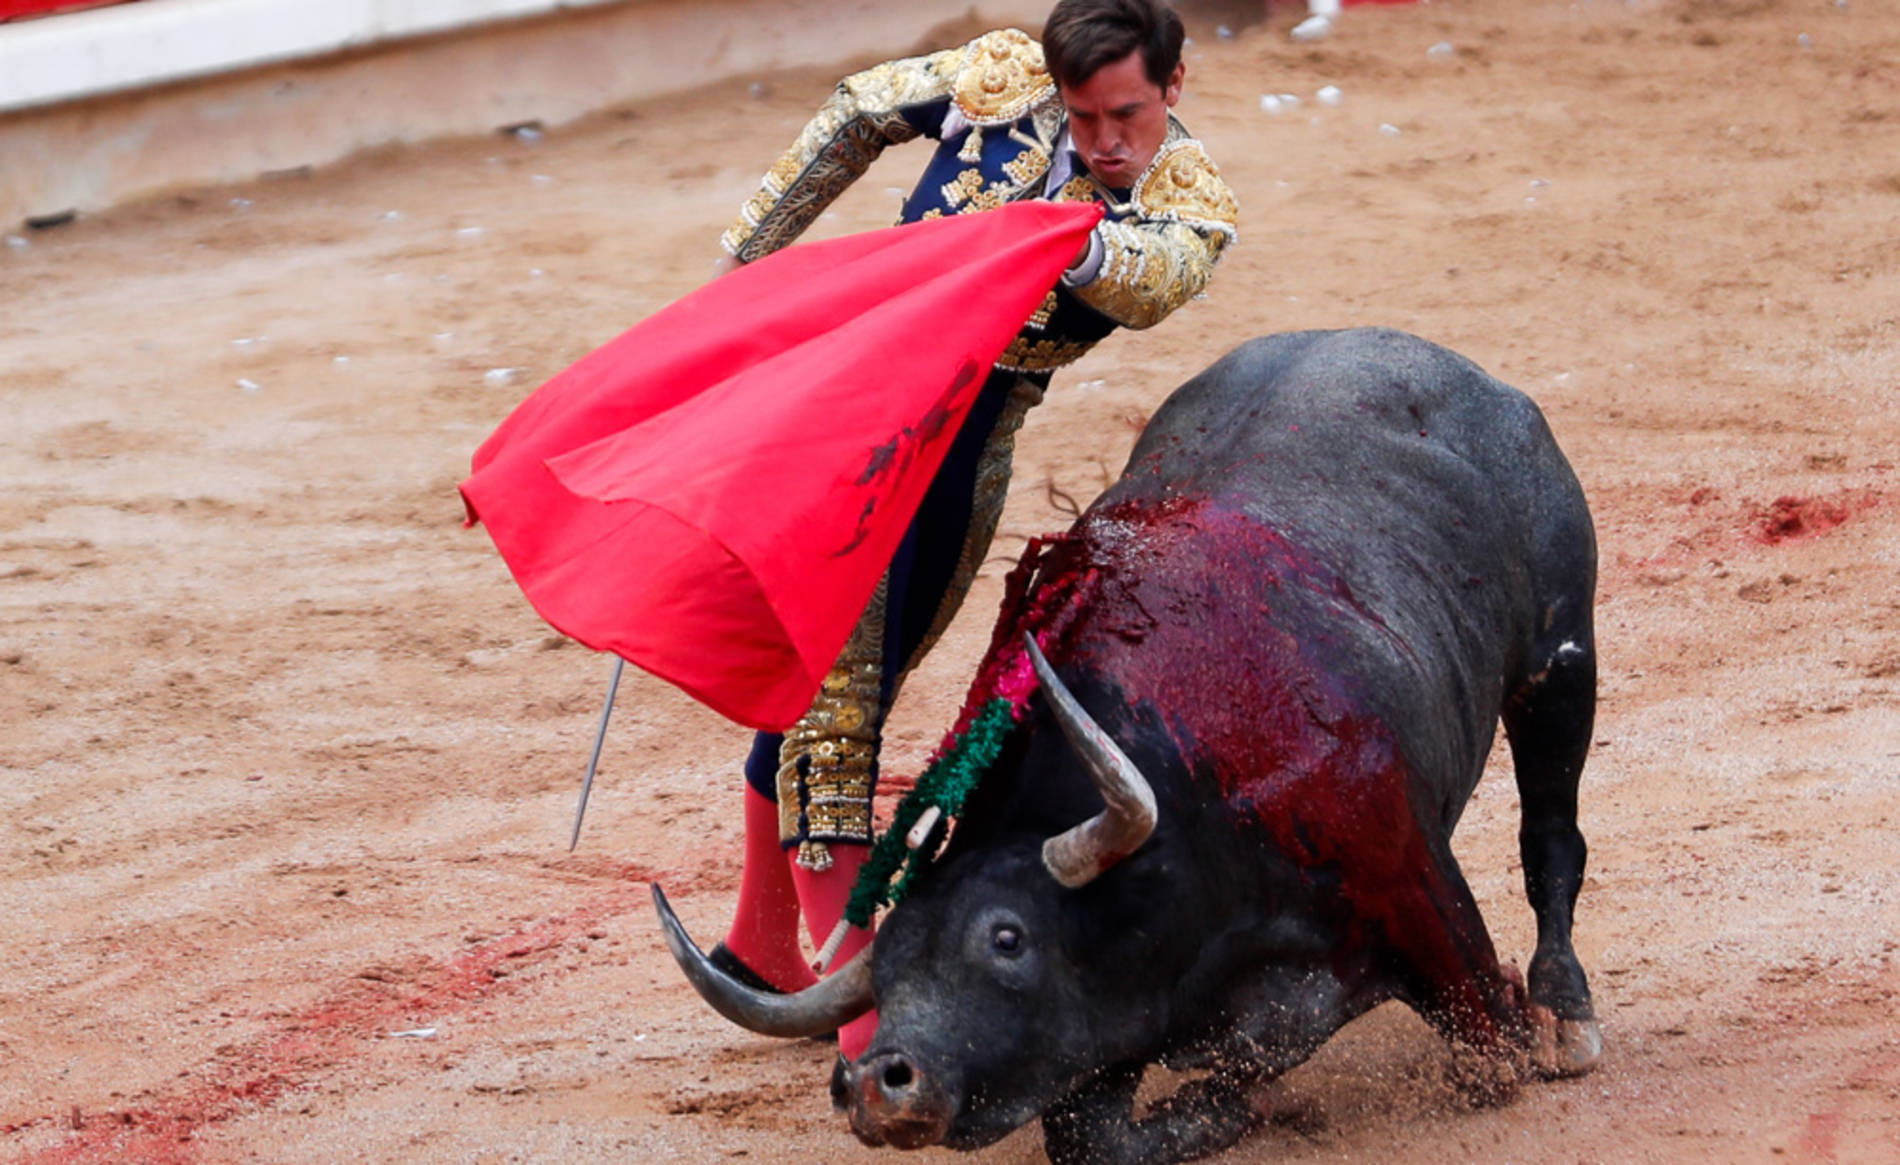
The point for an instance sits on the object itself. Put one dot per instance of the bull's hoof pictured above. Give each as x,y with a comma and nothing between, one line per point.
1564,1047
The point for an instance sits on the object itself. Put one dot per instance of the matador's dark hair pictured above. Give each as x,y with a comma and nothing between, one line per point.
1083,35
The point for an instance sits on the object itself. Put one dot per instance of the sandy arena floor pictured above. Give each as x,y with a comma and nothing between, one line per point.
290,763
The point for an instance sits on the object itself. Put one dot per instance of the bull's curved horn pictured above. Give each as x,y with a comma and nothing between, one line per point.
820,1008
1078,855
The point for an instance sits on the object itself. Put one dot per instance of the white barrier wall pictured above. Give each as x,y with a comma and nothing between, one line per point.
107,50
108,104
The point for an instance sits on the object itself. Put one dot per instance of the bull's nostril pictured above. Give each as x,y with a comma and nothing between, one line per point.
897,1076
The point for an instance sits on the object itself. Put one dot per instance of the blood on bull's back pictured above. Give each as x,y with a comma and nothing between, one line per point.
1406,516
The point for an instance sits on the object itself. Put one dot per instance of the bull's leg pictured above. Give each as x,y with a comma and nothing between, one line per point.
1548,720
1448,970
1092,1126
1278,1019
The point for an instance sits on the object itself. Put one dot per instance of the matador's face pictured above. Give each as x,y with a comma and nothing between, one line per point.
1118,118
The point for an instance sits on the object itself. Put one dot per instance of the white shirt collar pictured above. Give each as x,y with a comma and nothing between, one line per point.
1061,167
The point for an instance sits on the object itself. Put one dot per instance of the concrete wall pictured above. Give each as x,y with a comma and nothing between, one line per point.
147,104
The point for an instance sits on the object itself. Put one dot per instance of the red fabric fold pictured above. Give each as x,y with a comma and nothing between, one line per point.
714,494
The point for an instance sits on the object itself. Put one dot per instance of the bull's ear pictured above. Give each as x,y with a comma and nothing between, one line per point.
823,1007
1077,856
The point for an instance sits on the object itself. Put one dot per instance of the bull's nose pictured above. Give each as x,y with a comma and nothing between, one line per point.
894,1073
894,1103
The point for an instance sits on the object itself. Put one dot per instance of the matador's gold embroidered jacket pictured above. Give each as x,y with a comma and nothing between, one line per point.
1003,133
1003,136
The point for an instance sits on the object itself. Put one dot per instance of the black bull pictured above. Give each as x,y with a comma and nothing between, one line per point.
1334,560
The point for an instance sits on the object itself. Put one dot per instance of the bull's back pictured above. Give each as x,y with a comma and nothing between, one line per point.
1432,492
1347,425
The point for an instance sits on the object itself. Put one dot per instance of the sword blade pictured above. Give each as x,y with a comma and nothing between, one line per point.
593,762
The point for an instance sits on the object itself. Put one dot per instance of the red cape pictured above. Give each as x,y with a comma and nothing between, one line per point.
714,494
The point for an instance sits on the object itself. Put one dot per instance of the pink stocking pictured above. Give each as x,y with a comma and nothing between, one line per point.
764,932
822,895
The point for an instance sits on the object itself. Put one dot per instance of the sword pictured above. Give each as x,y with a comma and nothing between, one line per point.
593,762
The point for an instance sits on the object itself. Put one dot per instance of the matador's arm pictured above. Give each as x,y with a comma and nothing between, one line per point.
865,114
1163,254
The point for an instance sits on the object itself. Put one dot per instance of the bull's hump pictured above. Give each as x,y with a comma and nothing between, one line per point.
1303,395
1371,432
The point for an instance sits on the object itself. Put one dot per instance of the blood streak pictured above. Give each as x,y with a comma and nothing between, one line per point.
306,1047
1221,629
1800,517
1227,651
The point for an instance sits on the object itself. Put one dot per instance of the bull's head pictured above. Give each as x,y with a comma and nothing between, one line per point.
974,978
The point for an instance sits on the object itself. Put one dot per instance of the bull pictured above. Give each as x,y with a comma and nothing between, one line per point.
1271,662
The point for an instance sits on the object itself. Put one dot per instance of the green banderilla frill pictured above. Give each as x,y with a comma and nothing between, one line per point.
943,786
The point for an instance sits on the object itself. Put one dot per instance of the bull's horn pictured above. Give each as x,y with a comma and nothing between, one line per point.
820,1008
1077,856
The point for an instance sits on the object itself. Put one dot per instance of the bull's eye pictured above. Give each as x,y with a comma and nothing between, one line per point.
1007,940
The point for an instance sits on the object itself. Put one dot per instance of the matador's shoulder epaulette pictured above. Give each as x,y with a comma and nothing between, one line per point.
1000,77
1183,185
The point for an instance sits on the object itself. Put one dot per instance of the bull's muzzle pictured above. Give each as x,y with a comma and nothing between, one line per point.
822,1007
894,1102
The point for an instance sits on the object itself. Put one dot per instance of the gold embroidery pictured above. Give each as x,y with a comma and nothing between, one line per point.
903,83
984,200
1184,215
830,800
1076,190
838,145
1002,78
1027,355
1040,320
1183,185
966,192
1027,166
1149,269
958,191
1047,121
972,150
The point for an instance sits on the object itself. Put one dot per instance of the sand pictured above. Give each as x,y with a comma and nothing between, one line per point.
290,764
